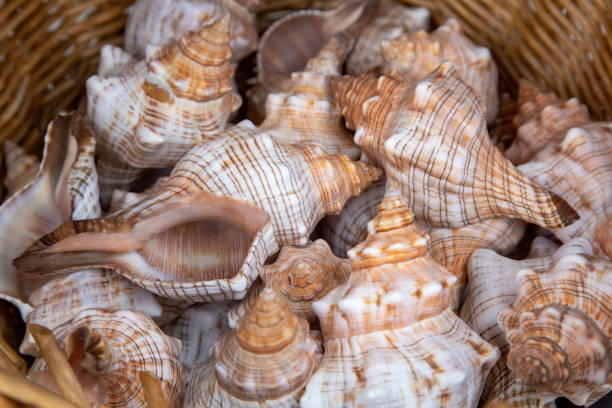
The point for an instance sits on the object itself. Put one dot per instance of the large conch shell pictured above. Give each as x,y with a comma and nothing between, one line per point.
296,185
392,19
579,169
21,168
195,248
307,112
302,275
431,139
390,337
417,55
542,117
149,113
265,361
160,21
108,349
559,329
198,328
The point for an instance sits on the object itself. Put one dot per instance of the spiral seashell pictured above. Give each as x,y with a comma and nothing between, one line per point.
198,328
160,21
149,113
390,337
391,20
559,329
307,112
415,56
542,117
301,275
195,248
107,350
265,361
21,168
296,185
579,169
431,139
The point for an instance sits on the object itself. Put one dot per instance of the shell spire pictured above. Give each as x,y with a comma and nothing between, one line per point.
21,168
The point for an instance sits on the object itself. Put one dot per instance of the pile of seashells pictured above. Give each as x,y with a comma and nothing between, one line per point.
225,283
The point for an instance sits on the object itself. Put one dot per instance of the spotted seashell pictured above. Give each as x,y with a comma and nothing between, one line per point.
21,168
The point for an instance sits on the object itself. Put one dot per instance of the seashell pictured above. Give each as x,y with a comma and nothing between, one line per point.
542,117
222,248
415,56
426,145
579,169
502,130
542,247
149,113
301,275
60,300
296,185
107,350
392,19
559,329
21,168
307,112
198,328
391,339
265,361
161,21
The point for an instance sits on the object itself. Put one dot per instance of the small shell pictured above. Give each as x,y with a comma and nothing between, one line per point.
391,339
21,168
541,118
198,328
160,21
417,55
431,139
296,185
196,248
108,349
307,112
579,169
392,19
149,113
301,275
266,361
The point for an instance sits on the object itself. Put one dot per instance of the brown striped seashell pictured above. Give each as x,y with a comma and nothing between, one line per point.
149,113
425,136
21,168
579,169
302,275
542,117
559,329
415,56
390,337
307,112
195,248
161,21
107,350
295,185
198,328
391,20
265,361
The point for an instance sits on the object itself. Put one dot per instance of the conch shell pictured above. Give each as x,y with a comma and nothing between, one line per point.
542,117
195,248
431,139
392,19
296,185
302,275
21,168
559,329
390,337
160,21
416,55
149,113
108,349
265,361
307,112
579,169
